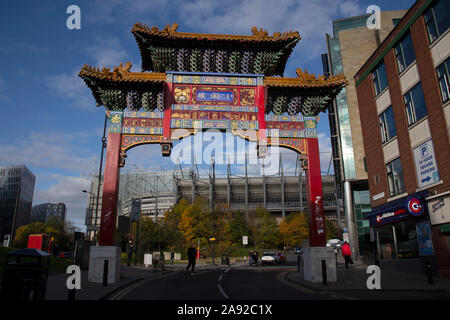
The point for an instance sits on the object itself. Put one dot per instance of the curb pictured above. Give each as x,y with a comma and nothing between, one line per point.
114,291
311,288
333,291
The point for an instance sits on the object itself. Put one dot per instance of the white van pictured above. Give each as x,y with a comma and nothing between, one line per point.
334,243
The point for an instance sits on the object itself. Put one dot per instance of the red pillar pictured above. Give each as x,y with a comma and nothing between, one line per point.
168,93
313,192
110,190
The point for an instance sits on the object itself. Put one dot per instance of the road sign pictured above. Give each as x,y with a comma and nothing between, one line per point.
6,238
212,239
426,168
244,239
345,237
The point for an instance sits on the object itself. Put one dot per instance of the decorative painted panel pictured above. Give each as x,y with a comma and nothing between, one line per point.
115,121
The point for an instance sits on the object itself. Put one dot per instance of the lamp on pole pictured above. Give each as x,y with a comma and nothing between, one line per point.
90,210
100,177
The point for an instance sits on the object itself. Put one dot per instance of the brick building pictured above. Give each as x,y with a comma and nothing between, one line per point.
403,96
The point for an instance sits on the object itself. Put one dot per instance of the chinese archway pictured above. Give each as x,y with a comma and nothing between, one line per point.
194,81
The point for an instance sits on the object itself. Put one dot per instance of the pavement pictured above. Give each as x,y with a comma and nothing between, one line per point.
351,283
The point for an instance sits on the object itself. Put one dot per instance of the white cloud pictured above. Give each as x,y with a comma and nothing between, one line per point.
71,87
48,150
107,52
66,189
312,18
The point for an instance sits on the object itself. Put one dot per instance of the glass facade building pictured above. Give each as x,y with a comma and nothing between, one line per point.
347,50
16,197
42,212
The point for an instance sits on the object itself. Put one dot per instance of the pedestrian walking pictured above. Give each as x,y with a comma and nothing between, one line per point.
299,261
192,255
130,247
250,258
172,256
255,258
347,253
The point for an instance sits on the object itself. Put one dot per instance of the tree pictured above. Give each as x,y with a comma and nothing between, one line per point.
298,229
171,222
195,222
264,228
22,233
236,228
331,231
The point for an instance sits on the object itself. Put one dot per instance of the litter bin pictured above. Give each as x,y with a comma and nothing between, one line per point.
25,275
225,259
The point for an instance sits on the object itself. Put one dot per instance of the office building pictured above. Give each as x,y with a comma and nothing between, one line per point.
348,48
16,197
42,212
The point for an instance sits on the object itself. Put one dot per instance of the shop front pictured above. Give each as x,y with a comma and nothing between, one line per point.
439,211
402,228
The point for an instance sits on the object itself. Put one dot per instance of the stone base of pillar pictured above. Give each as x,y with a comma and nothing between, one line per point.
97,258
312,264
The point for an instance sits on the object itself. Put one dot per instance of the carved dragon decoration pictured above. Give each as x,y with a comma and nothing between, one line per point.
122,71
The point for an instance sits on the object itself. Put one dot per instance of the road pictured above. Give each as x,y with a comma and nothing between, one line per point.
262,283
222,283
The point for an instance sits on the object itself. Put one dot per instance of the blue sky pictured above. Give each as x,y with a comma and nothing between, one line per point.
50,121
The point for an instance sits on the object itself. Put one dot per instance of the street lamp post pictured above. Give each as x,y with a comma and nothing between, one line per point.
99,178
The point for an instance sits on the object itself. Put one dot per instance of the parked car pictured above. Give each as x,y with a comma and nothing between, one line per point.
298,250
66,255
270,258
281,257
334,243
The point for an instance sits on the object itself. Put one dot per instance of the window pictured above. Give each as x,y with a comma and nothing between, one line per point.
437,19
379,79
395,22
443,79
395,177
415,104
387,125
404,52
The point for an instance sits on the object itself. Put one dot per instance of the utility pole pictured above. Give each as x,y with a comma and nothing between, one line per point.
13,228
99,179
212,176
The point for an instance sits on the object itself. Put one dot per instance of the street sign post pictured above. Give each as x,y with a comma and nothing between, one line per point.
426,168
245,240
6,240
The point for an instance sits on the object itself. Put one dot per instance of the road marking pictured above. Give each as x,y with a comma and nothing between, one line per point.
199,272
220,287
223,292
134,286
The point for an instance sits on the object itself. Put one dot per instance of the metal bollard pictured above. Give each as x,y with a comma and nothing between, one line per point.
324,273
429,272
105,273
